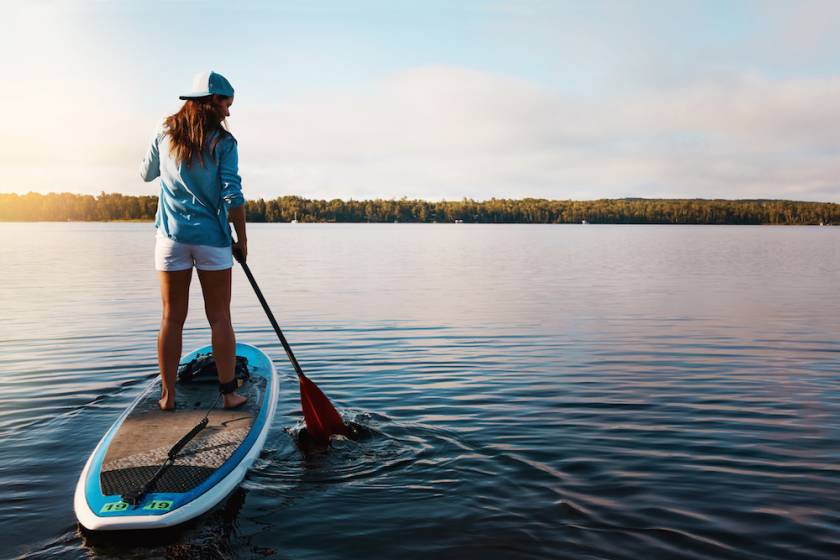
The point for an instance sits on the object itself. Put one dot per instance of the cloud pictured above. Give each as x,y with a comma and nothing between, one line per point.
448,132
443,131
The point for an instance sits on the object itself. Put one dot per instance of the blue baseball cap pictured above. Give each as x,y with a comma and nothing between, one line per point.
209,83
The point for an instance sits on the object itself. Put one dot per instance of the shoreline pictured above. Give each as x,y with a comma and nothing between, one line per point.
34,207
143,221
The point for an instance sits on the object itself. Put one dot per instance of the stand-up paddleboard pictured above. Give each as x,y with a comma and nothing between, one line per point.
201,473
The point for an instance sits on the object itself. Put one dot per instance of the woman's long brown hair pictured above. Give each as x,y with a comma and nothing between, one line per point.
192,125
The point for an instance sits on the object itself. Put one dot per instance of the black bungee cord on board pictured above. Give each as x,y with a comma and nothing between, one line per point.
133,498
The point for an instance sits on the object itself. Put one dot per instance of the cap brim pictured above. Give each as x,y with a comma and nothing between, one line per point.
194,95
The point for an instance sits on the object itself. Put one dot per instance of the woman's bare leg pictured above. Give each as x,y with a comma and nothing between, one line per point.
215,285
175,293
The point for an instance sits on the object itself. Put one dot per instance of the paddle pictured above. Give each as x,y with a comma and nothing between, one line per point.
321,417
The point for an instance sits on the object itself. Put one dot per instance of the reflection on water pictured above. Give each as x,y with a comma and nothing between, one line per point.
521,391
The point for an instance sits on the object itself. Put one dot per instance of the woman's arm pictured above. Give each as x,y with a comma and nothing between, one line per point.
150,166
232,191
229,173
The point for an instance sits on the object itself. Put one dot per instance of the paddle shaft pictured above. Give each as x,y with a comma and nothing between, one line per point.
271,318
321,417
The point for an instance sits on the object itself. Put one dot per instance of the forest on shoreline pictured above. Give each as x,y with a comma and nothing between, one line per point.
113,206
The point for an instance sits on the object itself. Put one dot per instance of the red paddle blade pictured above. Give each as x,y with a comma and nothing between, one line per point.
321,417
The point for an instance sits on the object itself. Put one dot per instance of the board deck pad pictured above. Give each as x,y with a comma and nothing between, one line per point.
141,444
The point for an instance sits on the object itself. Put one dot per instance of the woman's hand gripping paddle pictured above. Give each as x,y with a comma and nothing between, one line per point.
321,417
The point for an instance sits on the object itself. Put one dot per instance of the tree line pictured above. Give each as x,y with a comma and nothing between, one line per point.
114,206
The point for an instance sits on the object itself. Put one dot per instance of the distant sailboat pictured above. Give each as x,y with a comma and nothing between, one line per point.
294,221
584,222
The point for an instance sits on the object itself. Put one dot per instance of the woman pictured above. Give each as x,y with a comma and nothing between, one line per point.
197,161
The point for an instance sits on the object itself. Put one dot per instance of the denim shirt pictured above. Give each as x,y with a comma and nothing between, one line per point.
195,199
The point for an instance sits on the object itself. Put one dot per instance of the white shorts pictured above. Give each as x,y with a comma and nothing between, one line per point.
171,255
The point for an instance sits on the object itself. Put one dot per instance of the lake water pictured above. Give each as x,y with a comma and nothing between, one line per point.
553,391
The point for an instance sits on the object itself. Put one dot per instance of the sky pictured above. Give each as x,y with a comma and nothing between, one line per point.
436,99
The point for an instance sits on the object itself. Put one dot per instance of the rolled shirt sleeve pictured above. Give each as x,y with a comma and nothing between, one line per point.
150,166
229,174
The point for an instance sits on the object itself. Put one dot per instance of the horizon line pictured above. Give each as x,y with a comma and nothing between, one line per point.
406,198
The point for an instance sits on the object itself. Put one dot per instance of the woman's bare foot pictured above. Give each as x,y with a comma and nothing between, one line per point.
234,400
167,403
